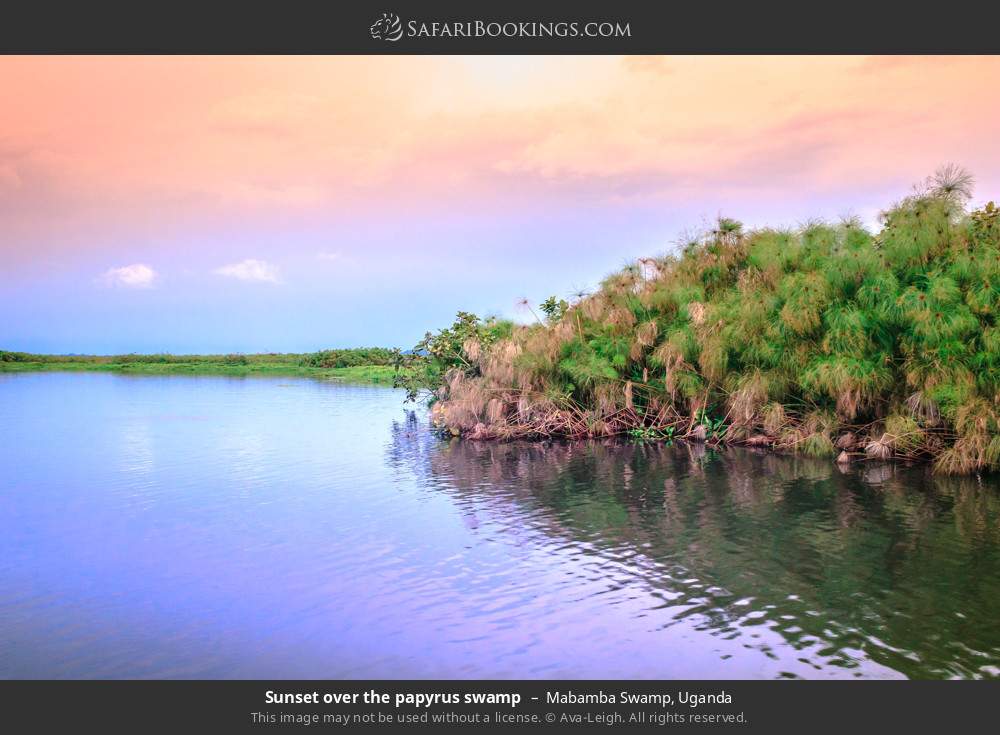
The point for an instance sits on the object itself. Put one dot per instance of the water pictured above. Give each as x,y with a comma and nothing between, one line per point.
219,527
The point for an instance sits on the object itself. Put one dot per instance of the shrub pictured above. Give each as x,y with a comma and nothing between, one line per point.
892,338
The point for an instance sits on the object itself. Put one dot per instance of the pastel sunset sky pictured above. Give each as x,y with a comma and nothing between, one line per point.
249,204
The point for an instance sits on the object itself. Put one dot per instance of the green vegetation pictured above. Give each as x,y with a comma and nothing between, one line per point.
827,340
366,365
350,358
459,346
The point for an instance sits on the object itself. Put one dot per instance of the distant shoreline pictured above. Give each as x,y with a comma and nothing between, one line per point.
328,364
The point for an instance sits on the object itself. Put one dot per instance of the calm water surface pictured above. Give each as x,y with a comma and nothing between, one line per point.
218,527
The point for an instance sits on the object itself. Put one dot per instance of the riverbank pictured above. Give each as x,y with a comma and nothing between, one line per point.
828,340
276,364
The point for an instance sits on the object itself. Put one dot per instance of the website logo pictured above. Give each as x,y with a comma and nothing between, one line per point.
387,28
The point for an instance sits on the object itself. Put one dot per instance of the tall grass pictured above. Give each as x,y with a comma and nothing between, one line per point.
823,340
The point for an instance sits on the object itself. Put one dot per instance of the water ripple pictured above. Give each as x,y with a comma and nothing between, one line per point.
213,527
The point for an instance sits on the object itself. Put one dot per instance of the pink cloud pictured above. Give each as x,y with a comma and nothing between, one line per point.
150,144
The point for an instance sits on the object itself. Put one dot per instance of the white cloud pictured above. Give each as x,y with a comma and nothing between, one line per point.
137,275
329,255
250,270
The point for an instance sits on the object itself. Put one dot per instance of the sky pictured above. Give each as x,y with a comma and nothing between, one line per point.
248,204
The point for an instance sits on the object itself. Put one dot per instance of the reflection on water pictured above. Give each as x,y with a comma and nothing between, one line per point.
214,527
878,570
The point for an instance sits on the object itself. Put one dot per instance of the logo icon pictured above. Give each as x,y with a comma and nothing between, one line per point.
387,28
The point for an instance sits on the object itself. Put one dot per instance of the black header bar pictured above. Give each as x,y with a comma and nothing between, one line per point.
451,27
